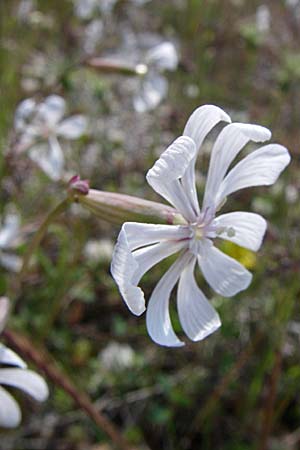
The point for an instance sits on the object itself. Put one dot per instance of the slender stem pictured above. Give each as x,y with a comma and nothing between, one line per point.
31,249
267,421
43,361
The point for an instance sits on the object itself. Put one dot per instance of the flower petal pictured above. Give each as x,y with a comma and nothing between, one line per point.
163,56
10,262
49,157
153,89
7,356
164,176
260,168
197,317
229,143
148,257
224,274
51,110
128,267
242,228
142,234
26,380
4,310
200,123
73,127
10,414
9,230
157,317
23,113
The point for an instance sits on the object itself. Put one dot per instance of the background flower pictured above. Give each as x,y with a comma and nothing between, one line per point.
14,373
39,125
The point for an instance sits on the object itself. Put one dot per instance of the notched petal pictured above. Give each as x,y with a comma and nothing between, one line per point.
123,268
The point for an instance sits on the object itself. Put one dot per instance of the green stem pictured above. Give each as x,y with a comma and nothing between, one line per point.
39,236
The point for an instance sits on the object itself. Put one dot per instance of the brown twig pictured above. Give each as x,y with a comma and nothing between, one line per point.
43,361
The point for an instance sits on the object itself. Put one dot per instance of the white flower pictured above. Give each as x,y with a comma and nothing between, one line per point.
153,84
141,246
15,374
263,19
97,250
9,232
117,357
39,125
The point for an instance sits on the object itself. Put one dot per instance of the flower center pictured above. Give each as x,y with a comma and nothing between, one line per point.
204,228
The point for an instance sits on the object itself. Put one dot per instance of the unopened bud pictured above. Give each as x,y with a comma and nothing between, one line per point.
119,208
78,186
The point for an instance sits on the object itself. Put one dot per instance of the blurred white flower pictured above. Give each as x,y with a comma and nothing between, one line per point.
117,357
9,232
107,6
25,8
84,9
141,246
291,194
263,19
39,125
15,374
153,86
99,250
92,35
292,3
148,59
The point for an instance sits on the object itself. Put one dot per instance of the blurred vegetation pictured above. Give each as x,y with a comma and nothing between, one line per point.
236,390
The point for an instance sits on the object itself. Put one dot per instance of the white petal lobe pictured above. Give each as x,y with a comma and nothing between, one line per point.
229,143
10,414
224,274
164,176
163,56
153,89
158,318
50,157
7,356
51,110
148,257
123,268
128,267
141,234
200,123
73,127
261,168
26,380
4,310
248,229
197,317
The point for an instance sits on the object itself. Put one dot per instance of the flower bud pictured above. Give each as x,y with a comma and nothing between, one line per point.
119,208
78,186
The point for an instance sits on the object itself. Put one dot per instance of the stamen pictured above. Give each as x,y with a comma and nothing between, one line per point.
230,232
